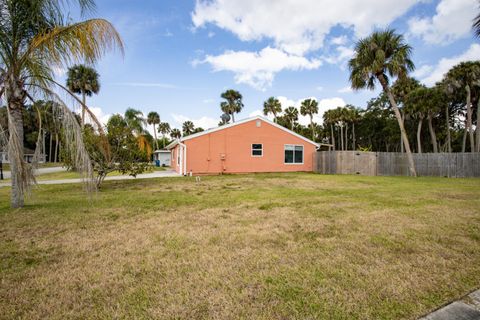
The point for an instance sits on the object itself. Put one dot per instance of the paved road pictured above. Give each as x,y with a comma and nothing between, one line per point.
156,174
39,171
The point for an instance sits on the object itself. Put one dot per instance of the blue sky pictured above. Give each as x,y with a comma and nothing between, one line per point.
180,55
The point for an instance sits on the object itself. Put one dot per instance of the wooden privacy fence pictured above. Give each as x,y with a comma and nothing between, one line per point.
456,165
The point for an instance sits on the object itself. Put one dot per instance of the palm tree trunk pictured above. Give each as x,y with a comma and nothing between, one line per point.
419,135
311,127
449,138
341,137
56,147
478,127
469,118
44,151
83,108
464,141
401,135
346,136
233,116
50,148
15,100
155,135
333,136
354,145
433,136
411,163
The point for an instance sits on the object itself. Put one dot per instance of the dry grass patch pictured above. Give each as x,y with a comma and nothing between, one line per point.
256,246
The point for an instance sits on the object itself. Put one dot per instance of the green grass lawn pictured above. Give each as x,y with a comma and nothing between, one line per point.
281,246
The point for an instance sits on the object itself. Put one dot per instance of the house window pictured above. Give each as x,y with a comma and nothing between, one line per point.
257,150
293,154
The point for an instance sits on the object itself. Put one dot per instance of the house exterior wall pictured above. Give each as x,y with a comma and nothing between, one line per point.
230,150
173,160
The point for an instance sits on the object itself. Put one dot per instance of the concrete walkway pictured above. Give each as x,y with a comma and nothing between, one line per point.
39,171
152,175
466,309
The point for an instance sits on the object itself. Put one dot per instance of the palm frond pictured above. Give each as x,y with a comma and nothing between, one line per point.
84,41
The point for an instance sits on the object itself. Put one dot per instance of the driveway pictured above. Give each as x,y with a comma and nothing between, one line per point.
151,175
40,171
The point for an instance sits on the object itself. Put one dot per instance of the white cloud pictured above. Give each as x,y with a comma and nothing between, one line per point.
341,56
452,20
59,71
319,88
100,115
346,89
423,71
442,67
203,122
339,41
146,84
258,69
297,27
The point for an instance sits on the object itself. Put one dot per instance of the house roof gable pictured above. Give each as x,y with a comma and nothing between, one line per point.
199,134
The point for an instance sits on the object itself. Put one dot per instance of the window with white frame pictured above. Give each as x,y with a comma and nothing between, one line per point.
257,150
293,154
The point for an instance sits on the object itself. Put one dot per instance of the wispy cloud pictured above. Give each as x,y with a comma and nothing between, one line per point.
146,85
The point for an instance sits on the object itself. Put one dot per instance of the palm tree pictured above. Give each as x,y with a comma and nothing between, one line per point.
329,118
153,118
377,57
291,115
83,80
273,106
35,36
224,119
164,129
354,117
188,128
309,107
415,107
175,133
465,75
135,120
233,103
476,26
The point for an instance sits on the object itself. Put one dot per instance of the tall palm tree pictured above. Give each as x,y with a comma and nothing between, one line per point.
273,106
383,54
35,37
153,118
291,115
476,25
83,80
309,107
175,133
415,107
135,120
329,119
354,117
164,129
466,75
188,128
233,103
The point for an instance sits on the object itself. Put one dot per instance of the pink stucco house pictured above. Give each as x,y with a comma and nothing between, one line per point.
250,145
